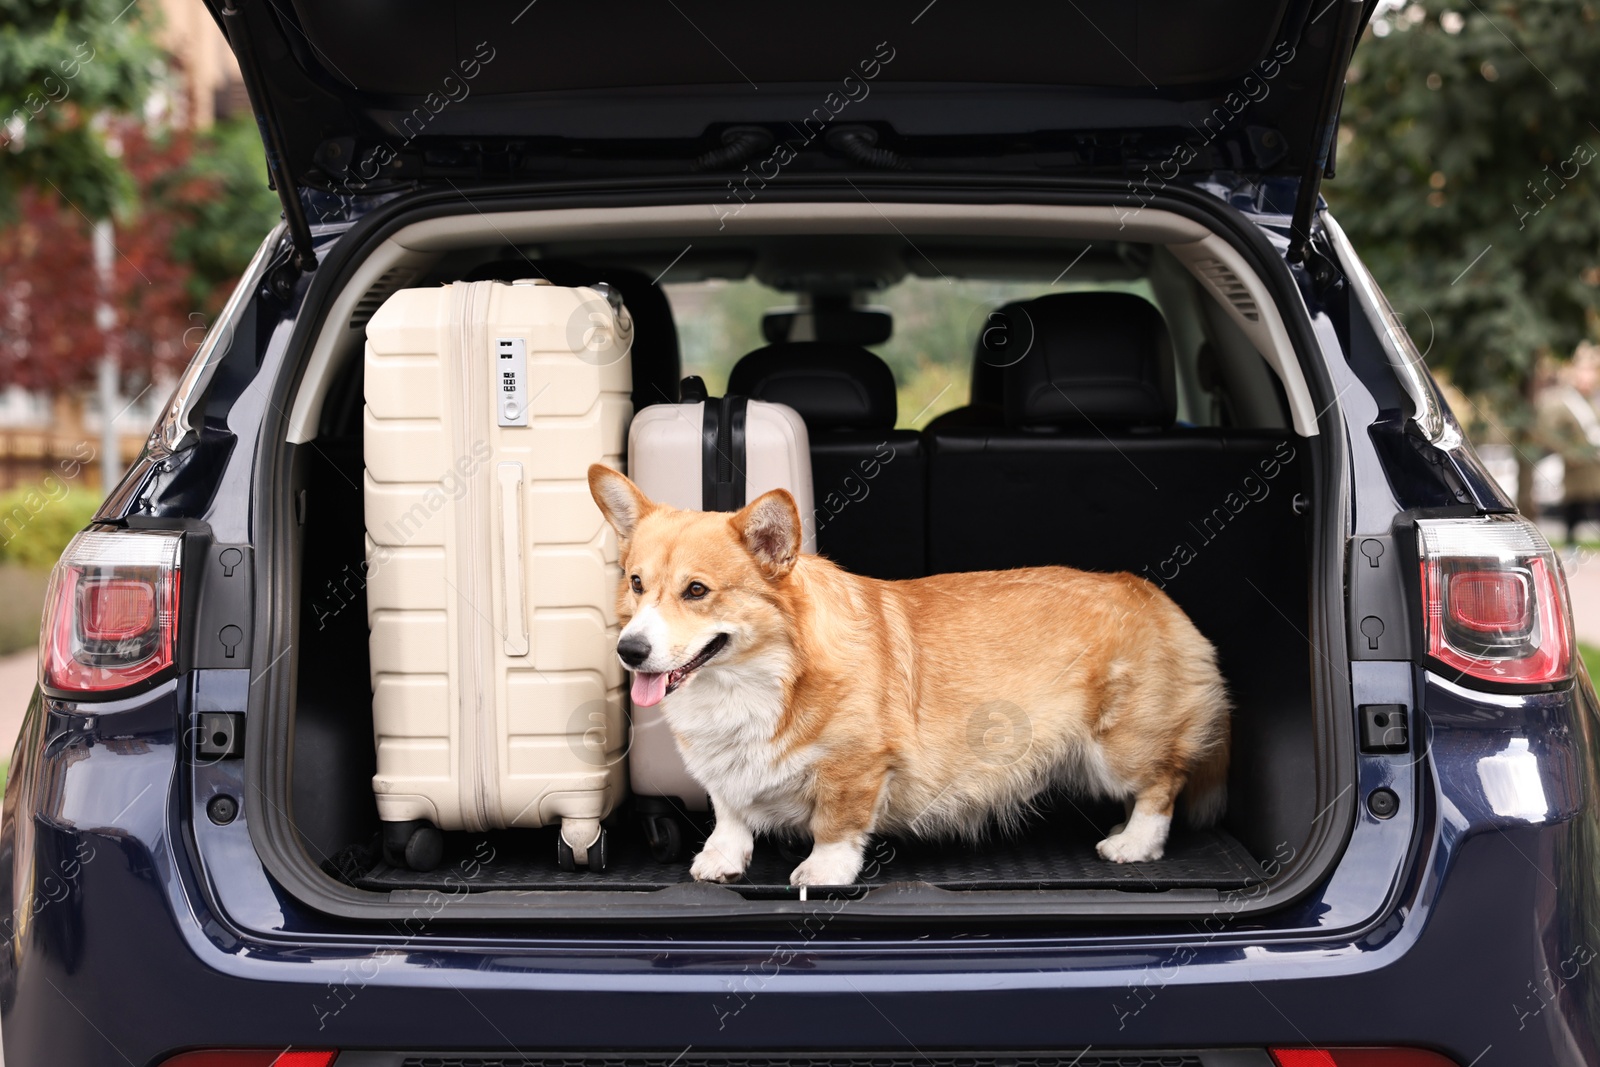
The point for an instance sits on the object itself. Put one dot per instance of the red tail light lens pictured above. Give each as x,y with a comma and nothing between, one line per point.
1494,600
1359,1057
111,614
1491,602
248,1057
116,609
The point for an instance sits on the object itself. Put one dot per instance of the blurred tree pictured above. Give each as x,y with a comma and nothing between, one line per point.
75,80
68,69
64,65
201,215
1468,174
227,208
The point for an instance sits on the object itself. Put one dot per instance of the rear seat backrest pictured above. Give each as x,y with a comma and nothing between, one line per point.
869,477
1088,472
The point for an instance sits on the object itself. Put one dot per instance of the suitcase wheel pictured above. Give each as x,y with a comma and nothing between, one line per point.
417,845
596,858
665,834
425,849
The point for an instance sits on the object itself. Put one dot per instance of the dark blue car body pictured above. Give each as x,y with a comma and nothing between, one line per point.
138,927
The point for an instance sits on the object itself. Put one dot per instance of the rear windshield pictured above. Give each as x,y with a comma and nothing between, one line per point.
936,327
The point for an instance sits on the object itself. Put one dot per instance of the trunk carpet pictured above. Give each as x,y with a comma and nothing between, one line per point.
1054,853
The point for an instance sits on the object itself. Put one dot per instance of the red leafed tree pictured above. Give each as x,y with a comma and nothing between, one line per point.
49,289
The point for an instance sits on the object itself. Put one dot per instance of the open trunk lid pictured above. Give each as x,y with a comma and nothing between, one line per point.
353,97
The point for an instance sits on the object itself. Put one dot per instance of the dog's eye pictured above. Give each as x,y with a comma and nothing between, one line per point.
638,586
695,591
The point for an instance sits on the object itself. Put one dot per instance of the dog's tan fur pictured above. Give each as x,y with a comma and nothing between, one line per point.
850,706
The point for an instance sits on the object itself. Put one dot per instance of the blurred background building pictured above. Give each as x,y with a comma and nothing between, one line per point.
210,87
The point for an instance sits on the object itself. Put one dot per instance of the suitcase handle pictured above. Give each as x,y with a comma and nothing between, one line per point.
513,589
722,453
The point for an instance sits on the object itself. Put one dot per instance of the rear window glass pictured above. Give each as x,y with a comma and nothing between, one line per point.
936,327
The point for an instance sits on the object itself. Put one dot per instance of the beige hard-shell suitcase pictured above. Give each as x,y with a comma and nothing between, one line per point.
491,596
706,454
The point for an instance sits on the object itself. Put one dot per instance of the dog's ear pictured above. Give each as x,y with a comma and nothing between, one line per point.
769,526
620,500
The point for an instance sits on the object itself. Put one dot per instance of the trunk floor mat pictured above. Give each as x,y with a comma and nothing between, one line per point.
1057,854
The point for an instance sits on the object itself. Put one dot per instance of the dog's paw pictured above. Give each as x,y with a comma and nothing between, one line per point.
712,866
835,864
719,862
1124,847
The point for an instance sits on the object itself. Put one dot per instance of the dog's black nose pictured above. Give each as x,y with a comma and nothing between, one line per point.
634,650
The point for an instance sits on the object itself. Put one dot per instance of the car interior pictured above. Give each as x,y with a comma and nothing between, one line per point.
1154,436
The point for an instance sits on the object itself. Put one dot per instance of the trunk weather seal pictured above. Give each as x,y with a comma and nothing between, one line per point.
267,749
1352,16
242,42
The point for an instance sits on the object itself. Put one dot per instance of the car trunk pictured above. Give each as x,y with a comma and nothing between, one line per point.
1263,655
1223,516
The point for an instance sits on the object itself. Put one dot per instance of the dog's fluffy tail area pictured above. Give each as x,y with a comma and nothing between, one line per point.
1206,795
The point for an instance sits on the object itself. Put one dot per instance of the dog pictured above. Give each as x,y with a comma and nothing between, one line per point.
804,696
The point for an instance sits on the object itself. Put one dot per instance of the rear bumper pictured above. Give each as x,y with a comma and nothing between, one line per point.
116,954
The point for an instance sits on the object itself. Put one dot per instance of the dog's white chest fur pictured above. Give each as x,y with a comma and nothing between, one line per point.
724,721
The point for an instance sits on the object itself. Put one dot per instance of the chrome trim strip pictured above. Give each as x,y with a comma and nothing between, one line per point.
1402,351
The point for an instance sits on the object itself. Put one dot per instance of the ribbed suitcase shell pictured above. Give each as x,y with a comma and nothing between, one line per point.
491,597
664,455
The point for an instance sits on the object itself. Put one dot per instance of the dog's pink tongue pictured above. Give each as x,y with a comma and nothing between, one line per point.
648,688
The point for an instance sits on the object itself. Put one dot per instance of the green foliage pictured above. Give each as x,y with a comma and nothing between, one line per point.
717,323
62,64
1591,659
1469,183
36,522
22,592
227,223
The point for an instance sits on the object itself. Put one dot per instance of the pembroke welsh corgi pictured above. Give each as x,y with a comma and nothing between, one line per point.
803,696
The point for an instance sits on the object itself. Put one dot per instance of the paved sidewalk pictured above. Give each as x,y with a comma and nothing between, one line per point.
18,673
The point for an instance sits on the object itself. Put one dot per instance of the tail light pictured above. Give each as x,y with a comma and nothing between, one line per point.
1494,600
248,1057
111,613
1358,1057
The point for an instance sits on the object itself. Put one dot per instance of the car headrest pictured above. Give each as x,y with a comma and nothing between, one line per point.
832,386
1080,359
989,357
